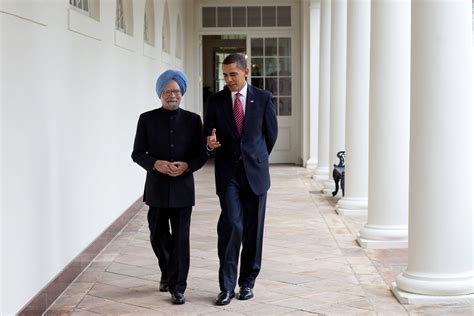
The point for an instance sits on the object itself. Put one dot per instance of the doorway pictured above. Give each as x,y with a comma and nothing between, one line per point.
215,49
272,68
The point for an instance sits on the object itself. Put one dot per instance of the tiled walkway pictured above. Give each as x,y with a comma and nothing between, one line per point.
311,263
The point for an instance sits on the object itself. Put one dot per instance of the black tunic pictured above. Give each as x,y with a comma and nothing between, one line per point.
172,136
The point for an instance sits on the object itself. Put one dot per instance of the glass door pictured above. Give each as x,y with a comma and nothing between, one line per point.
270,69
270,63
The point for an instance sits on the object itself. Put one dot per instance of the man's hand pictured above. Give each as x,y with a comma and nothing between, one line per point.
177,168
212,142
172,169
163,166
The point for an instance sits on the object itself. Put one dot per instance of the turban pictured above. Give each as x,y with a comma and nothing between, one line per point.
168,75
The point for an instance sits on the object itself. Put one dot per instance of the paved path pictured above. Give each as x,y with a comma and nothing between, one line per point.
311,263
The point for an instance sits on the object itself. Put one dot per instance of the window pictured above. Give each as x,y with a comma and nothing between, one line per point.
88,7
124,16
251,16
166,33
270,69
149,23
80,4
209,17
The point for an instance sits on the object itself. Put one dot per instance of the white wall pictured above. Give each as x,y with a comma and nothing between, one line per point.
69,108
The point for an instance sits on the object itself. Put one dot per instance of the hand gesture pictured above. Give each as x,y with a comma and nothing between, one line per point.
177,168
212,142
163,166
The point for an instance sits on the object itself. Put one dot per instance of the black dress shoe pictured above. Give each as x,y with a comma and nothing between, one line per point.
177,298
164,287
245,293
224,298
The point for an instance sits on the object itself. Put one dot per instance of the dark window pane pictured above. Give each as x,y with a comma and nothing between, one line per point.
268,16
256,67
284,87
275,102
271,85
270,47
257,82
209,17
239,17
284,107
285,66
284,16
254,16
256,45
284,46
271,67
223,17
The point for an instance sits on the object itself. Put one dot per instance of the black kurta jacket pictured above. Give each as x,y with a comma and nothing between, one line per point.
172,136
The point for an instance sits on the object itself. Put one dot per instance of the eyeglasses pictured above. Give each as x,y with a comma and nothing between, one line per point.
169,93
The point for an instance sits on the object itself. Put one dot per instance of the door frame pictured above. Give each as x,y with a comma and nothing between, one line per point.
292,123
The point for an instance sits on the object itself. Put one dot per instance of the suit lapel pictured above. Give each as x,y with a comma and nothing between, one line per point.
249,106
228,112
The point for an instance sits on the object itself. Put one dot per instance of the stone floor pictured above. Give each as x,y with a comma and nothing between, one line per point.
311,263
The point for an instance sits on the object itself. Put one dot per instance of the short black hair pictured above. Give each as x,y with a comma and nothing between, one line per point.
237,59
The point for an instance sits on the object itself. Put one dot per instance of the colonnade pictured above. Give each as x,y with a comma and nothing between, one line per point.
395,92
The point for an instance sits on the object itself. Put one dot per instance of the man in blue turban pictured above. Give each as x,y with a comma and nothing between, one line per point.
168,145
175,75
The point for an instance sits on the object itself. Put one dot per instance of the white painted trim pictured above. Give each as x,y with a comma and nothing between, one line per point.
33,12
125,41
149,51
80,22
166,58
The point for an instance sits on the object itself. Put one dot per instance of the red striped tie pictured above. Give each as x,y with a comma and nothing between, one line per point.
238,113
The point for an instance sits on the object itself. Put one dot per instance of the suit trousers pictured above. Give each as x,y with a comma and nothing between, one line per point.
171,248
240,224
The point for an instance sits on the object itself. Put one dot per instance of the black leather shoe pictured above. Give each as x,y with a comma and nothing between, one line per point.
224,298
177,298
245,293
164,287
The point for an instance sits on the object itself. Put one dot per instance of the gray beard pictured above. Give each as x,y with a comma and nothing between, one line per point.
171,106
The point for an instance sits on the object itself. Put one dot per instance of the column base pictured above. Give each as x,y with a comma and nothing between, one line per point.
380,244
312,164
352,206
411,298
430,284
329,186
383,237
321,174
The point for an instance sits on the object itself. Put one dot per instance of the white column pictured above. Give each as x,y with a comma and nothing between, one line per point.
389,120
314,22
305,82
322,171
338,85
357,110
2,177
440,250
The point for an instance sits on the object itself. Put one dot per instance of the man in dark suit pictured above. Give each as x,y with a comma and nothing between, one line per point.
168,145
241,127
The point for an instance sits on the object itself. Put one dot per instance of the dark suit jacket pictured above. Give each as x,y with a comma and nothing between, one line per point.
258,137
172,136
